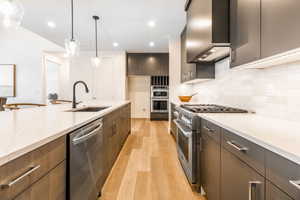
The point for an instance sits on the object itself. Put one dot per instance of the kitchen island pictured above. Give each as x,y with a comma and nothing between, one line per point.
35,147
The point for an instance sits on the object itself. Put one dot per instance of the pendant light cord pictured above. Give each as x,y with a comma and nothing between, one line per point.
96,32
96,18
72,20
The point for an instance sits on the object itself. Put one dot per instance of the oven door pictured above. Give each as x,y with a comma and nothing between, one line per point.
160,105
160,93
185,150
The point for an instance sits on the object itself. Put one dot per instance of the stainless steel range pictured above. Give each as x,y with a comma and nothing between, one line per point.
189,135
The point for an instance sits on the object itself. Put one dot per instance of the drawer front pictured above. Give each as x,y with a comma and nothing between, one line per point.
247,151
19,174
274,193
211,130
50,187
284,174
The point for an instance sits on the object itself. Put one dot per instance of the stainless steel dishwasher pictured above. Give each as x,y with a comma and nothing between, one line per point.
86,162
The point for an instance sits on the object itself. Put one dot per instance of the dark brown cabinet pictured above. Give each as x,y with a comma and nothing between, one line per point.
284,174
238,180
279,29
36,174
210,167
188,70
274,193
50,187
148,64
245,31
116,128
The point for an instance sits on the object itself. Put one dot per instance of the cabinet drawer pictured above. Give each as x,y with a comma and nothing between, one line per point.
50,187
211,130
274,193
247,151
22,172
284,174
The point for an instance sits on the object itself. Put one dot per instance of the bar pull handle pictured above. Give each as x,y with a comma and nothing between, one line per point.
253,189
296,184
237,147
18,179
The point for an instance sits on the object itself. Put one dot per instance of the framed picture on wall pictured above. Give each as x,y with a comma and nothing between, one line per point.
7,80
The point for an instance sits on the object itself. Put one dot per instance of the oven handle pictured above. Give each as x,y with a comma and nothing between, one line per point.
186,133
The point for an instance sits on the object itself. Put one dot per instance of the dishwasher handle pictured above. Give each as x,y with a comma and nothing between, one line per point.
87,134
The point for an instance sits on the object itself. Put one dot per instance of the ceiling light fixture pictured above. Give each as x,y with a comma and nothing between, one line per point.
151,44
72,45
115,44
11,13
151,24
51,24
96,60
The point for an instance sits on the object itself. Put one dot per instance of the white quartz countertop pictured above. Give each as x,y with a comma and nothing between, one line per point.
24,130
279,136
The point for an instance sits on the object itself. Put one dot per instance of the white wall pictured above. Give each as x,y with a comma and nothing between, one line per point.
139,95
176,88
273,92
107,82
25,49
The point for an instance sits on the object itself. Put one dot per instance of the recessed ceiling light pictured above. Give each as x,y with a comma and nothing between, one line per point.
151,44
51,24
151,24
115,44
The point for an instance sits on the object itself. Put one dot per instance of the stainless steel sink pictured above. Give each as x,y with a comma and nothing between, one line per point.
88,109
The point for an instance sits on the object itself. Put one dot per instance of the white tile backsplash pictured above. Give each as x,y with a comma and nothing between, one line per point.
273,92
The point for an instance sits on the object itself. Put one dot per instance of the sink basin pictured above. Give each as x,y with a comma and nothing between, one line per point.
88,109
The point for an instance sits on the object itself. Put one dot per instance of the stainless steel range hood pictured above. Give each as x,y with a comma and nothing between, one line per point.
207,30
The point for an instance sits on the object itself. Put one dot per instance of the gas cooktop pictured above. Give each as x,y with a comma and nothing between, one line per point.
211,108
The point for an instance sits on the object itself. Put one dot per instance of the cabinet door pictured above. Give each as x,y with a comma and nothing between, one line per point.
245,31
188,71
238,180
163,59
274,193
210,167
280,29
133,67
50,187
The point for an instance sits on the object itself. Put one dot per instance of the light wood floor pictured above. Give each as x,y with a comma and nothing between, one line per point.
148,168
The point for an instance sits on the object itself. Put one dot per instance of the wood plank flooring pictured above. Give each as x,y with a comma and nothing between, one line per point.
147,167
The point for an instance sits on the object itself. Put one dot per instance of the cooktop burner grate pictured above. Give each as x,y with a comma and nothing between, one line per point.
211,108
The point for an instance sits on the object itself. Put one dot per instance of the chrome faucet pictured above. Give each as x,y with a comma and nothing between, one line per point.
74,92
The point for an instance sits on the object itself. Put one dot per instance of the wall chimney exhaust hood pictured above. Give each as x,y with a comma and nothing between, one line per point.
207,30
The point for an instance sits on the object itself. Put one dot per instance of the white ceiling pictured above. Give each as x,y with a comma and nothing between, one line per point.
122,21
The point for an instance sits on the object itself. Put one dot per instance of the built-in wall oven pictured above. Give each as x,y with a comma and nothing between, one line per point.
159,105
159,92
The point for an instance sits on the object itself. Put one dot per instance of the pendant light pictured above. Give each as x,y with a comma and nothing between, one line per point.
11,13
96,60
72,45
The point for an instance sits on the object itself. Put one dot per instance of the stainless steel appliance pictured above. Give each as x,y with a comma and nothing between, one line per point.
85,164
159,105
159,92
189,135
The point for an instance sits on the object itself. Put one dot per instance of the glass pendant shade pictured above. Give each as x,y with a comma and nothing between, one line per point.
11,13
96,61
72,47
